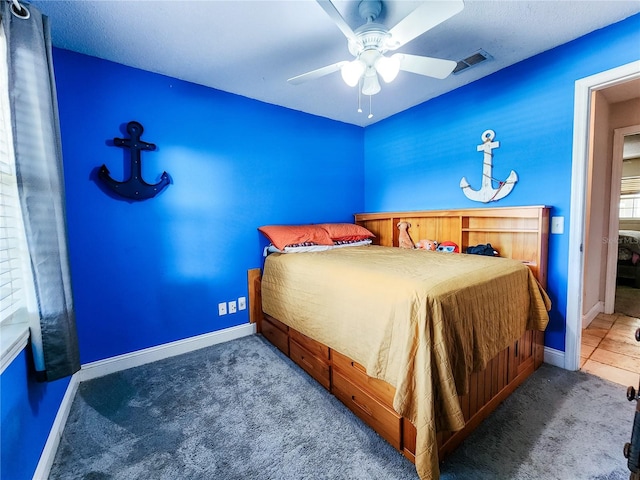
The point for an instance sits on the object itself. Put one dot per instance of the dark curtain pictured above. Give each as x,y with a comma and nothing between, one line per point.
38,152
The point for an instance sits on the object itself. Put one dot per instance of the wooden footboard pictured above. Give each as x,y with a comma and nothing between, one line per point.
372,399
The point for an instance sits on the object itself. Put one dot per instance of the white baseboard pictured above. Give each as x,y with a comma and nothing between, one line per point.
593,312
104,367
122,362
554,357
55,434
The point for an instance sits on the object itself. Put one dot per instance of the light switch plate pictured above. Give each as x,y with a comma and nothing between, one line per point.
557,225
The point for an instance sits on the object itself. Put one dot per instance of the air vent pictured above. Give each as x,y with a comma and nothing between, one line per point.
471,61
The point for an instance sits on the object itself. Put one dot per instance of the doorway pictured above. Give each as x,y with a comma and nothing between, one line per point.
608,347
590,214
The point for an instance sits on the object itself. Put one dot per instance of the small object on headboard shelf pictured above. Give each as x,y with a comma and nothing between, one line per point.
487,193
427,245
404,239
448,247
483,249
134,187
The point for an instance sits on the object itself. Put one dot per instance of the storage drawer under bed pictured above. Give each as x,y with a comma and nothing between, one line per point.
372,411
357,375
276,332
315,366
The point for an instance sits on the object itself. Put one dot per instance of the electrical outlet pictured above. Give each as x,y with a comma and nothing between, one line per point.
242,303
222,308
232,307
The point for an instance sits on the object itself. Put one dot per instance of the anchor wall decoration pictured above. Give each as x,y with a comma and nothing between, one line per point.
487,193
134,187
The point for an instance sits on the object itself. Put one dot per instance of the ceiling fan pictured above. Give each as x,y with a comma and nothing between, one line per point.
369,43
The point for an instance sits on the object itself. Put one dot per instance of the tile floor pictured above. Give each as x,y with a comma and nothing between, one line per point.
609,349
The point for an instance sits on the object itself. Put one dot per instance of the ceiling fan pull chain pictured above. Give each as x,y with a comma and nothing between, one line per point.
370,114
360,96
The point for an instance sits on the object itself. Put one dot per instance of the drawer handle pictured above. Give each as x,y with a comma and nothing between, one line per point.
361,406
358,367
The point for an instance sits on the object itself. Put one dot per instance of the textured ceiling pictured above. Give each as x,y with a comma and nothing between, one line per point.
251,48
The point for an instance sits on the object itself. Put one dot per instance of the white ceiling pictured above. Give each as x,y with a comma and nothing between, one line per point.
251,48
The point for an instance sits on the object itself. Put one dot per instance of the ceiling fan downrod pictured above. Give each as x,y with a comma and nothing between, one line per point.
369,10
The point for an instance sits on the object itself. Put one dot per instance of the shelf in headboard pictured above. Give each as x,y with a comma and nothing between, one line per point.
498,230
521,233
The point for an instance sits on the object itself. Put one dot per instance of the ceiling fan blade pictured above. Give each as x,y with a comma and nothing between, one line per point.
423,18
334,14
428,66
313,74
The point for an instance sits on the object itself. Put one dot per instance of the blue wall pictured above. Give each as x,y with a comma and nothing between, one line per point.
415,160
151,272
27,412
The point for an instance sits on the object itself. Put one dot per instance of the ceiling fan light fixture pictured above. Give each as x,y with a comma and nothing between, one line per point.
352,72
371,85
388,67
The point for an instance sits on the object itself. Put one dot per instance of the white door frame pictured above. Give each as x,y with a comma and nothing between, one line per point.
582,105
614,214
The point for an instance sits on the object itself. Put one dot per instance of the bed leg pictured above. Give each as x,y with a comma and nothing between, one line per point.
254,278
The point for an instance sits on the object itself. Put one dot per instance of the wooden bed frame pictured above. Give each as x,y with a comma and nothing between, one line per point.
517,232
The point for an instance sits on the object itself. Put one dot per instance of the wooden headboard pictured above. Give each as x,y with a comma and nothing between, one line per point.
521,233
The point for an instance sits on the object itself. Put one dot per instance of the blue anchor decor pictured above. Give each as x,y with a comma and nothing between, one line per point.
134,187
487,193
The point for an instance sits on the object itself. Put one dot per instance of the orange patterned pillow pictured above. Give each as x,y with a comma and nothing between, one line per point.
282,235
346,231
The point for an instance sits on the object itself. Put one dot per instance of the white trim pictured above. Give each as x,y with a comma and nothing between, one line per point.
55,434
13,339
593,312
583,89
554,357
160,352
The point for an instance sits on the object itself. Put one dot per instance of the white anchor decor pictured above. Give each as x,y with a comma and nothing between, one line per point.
487,193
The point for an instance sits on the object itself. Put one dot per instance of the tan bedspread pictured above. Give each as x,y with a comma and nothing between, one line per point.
420,320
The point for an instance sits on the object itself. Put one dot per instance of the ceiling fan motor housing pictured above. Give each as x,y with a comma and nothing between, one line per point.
371,36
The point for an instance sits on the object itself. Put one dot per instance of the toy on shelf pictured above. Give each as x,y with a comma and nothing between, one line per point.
483,249
427,245
404,239
448,247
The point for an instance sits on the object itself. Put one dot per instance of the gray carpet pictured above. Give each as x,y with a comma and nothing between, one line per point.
628,300
241,410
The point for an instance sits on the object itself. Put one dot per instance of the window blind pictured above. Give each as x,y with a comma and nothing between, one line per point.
14,264
11,283
630,185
